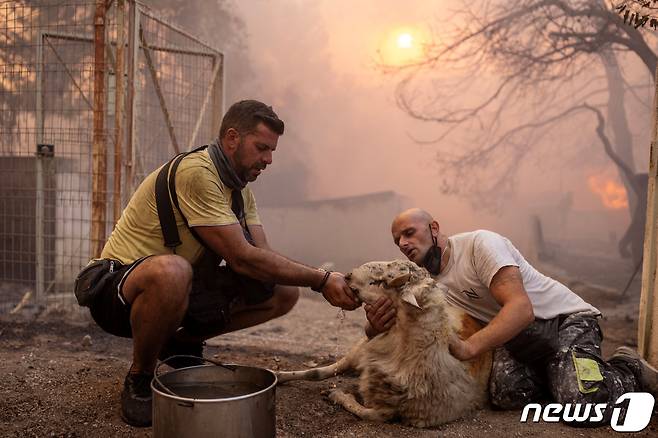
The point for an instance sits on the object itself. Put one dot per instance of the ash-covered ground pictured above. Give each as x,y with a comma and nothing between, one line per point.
55,384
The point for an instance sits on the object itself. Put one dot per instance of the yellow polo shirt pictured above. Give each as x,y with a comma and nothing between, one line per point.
203,198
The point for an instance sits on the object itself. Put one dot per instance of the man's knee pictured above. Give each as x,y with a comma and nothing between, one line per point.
168,268
570,388
511,397
569,391
169,275
286,297
512,384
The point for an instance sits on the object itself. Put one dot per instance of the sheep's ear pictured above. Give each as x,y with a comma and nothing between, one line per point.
409,297
400,280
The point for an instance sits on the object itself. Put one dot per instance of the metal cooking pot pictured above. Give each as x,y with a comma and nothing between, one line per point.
218,400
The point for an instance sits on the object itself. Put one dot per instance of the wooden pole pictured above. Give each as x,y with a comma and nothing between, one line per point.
647,330
99,151
119,110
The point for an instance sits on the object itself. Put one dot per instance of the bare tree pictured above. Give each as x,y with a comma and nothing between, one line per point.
533,65
538,53
632,242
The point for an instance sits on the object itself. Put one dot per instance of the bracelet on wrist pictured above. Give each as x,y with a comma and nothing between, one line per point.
323,283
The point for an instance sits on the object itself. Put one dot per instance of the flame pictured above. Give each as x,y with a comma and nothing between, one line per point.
612,194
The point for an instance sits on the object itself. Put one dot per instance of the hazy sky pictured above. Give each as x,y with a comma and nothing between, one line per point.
318,58
314,60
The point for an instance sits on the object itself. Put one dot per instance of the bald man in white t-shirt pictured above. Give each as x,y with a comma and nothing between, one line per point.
547,338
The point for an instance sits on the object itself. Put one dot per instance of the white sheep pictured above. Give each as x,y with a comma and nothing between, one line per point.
407,373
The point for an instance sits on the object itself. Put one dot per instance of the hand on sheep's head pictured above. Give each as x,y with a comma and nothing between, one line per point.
338,293
381,316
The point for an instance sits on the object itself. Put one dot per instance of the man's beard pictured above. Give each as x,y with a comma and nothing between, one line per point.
243,172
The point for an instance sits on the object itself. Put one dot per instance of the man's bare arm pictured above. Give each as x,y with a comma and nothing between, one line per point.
267,265
256,262
258,234
515,315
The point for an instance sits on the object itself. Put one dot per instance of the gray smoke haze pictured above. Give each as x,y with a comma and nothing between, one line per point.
315,62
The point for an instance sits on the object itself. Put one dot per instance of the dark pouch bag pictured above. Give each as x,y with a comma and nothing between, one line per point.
92,279
213,292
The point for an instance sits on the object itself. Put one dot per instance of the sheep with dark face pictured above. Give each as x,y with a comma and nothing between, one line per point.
407,373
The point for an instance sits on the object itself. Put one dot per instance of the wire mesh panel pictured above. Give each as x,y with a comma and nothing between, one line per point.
180,93
94,95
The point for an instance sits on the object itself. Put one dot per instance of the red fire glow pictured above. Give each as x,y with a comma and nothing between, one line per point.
612,194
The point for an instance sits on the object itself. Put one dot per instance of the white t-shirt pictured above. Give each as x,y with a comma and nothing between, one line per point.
477,256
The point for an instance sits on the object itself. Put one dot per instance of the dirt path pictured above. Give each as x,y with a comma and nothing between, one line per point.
52,385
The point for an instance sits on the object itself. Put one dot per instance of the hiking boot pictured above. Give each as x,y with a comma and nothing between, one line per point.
174,347
136,399
647,375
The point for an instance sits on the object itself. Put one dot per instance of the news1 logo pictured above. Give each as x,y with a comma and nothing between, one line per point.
638,413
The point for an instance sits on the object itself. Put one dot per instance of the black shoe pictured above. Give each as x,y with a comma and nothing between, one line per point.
647,375
174,347
137,399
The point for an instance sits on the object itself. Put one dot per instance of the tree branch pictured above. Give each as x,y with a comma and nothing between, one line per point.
607,146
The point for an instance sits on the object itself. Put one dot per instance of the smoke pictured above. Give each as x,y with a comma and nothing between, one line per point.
315,63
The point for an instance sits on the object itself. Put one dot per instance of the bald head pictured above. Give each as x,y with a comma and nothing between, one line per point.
414,214
412,231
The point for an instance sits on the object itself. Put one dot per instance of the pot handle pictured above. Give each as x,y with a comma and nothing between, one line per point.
156,376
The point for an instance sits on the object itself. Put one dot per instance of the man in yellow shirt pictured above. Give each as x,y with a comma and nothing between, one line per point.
169,293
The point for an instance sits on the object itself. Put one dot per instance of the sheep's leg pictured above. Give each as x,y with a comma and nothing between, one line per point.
347,401
320,373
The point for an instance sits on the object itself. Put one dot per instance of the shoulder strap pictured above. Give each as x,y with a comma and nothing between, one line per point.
174,194
165,185
165,211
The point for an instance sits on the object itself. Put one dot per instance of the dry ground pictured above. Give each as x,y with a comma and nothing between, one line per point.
52,385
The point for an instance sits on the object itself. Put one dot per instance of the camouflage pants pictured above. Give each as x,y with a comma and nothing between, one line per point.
574,373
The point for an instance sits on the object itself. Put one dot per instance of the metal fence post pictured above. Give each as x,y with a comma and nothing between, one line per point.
99,151
131,125
40,198
218,95
119,109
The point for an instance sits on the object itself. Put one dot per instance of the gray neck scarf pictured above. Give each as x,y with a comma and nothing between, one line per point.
230,179
226,172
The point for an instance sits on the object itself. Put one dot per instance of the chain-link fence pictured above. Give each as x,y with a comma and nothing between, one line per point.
93,96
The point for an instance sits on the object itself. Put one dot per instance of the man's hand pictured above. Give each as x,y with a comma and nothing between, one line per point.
338,293
381,316
460,349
